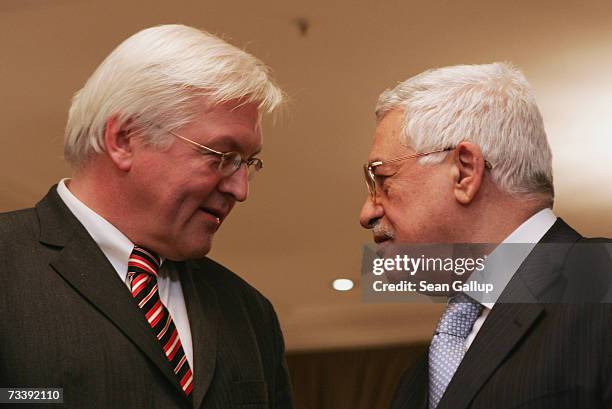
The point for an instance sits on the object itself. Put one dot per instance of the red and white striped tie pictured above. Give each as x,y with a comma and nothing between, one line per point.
142,274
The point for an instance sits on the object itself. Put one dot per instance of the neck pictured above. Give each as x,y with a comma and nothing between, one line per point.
97,185
492,219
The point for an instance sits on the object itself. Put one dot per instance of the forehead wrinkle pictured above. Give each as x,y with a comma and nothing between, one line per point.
388,146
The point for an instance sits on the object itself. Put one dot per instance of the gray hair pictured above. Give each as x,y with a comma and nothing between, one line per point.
491,105
155,77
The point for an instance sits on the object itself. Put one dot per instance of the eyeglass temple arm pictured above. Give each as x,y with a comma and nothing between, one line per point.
415,155
206,148
488,164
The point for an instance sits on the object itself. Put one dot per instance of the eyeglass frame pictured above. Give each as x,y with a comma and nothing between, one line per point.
369,168
223,155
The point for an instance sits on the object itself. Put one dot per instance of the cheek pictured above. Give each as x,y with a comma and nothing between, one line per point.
191,194
412,212
402,201
175,197
181,202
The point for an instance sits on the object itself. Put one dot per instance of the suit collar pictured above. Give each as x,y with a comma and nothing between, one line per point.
83,265
518,309
561,232
506,259
56,221
539,278
114,244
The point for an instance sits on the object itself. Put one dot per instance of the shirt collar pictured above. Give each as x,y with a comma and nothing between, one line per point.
115,245
533,229
530,231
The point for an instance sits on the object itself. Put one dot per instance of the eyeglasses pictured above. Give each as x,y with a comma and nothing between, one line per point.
229,162
374,182
369,170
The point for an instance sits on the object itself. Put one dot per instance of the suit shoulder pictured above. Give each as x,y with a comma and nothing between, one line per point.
587,270
225,280
595,240
17,225
17,217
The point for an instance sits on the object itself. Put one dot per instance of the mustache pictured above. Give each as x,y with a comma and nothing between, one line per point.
380,230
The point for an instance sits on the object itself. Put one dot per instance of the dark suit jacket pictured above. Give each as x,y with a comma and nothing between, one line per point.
539,353
67,321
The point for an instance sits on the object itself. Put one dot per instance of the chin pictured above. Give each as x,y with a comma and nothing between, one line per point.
200,250
191,250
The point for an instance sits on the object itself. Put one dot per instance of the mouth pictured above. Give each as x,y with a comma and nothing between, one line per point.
218,214
381,239
383,244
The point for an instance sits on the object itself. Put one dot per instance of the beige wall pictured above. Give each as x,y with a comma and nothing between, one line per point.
299,229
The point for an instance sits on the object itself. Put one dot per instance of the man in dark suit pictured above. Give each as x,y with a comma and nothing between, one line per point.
460,155
106,290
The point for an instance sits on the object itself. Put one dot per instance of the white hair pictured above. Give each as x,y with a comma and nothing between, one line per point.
491,105
155,77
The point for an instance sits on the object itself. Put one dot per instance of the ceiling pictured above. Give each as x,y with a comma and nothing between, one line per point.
299,229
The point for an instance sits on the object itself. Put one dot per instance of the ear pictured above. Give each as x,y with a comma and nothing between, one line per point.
468,170
118,142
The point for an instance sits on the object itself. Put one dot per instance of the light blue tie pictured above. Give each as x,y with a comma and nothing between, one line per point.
448,344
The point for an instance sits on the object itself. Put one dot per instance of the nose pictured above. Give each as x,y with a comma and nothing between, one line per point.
371,213
237,184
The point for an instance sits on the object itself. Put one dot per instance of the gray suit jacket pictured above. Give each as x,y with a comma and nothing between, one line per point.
540,353
67,321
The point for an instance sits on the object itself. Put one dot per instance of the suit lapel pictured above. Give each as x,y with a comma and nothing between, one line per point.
83,265
503,329
516,311
203,312
412,390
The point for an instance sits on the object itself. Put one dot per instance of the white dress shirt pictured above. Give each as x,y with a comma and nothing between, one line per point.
531,231
117,248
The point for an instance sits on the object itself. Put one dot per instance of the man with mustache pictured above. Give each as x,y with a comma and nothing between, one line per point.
106,290
460,155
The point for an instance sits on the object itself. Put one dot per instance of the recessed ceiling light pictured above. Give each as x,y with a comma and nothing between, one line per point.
342,284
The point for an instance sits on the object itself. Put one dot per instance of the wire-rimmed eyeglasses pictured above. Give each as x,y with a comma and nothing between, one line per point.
229,162
369,169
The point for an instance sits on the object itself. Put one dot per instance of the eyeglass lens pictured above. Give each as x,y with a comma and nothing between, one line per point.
232,161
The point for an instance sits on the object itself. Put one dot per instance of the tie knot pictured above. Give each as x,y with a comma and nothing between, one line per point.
459,317
143,260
